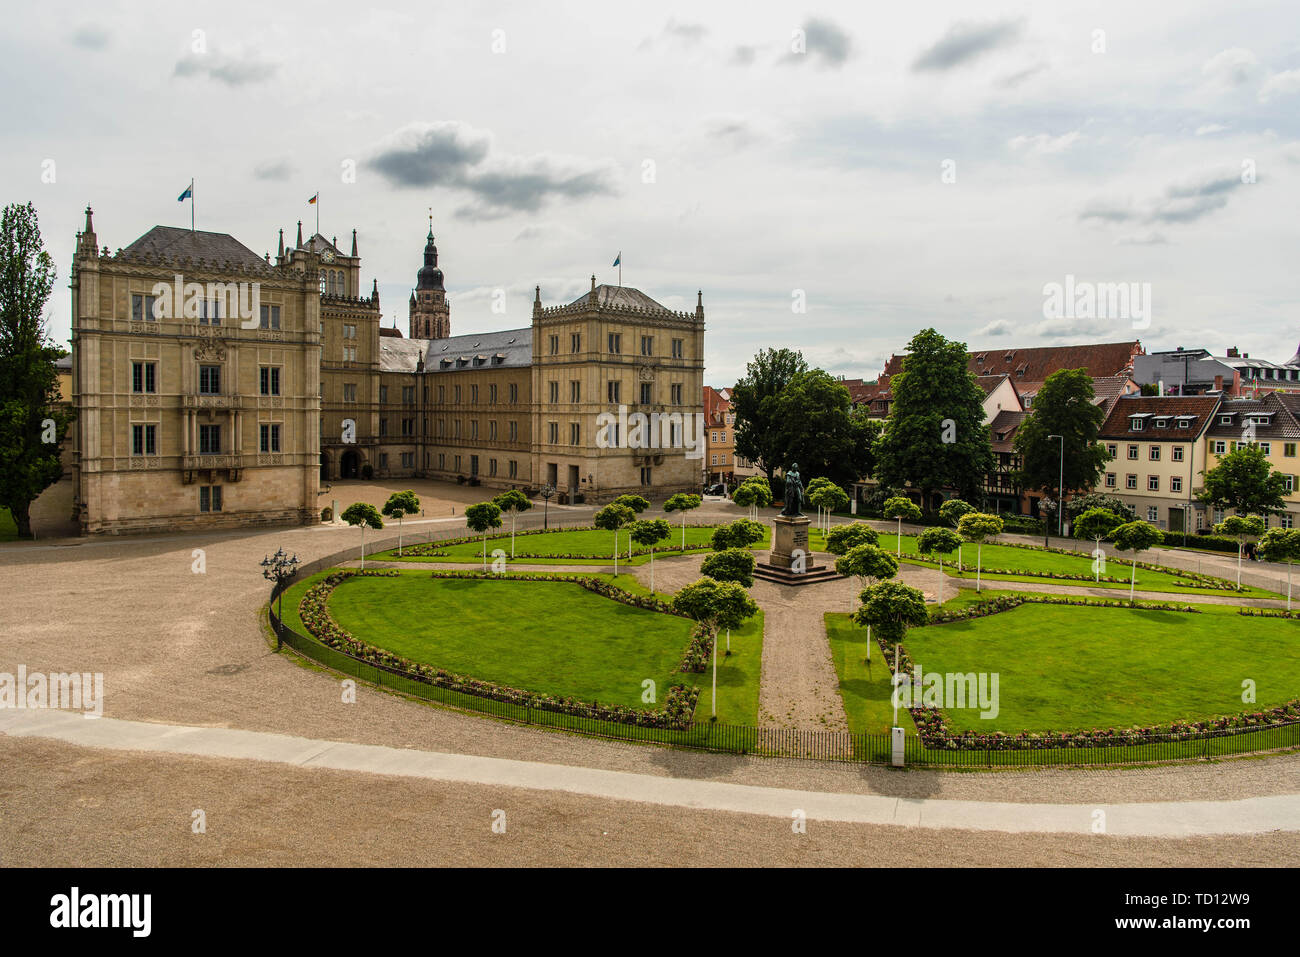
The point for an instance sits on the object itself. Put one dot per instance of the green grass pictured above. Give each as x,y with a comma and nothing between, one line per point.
1038,560
738,673
1064,668
551,637
574,542
8,529
864,688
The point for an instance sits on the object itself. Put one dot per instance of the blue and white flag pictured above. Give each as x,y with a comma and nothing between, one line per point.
618,260
188,194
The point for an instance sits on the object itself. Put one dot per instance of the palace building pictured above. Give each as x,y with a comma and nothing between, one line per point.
217,388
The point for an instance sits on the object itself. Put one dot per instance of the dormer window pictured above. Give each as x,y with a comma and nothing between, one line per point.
1162,423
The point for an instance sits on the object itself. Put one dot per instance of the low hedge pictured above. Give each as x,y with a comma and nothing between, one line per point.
679,704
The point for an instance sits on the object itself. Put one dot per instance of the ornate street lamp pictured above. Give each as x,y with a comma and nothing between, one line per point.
547,491
279,568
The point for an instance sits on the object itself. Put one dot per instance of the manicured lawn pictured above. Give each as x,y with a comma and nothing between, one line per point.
738,676
559,543
551,637
864,688
8,530
1037,560
1064,668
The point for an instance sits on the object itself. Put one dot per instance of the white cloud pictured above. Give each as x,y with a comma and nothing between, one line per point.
1044,143
1210,128
1230,68
1280,84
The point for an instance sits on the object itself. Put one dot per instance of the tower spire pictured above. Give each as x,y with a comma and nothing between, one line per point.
280,252
300,234
354,244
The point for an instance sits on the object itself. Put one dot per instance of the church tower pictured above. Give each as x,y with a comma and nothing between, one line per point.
430,315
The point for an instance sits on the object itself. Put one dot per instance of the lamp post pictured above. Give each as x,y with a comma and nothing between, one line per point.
547,491
1060,490
279,568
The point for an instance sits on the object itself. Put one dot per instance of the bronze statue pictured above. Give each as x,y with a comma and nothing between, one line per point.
793,491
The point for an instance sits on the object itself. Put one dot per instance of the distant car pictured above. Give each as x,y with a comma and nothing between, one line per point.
715,490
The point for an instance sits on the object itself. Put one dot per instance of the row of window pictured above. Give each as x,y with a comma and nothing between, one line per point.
723,459
614,343
1223,446
144,438
1176,452
144,379
207,311
1175,482
441,431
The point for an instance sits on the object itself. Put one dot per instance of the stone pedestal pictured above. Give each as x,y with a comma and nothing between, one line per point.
790,544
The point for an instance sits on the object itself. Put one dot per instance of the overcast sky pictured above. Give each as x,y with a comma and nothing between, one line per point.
695,139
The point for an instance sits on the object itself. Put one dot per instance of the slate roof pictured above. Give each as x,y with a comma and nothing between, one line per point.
1282,424
173,242
477,350
1199,407
624,296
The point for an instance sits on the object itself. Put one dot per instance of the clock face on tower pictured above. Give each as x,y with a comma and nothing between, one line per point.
327,256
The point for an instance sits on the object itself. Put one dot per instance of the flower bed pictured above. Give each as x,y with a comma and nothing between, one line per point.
428,549
993,606
679,703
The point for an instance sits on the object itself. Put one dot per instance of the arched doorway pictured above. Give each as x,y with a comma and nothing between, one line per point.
324,466
348,465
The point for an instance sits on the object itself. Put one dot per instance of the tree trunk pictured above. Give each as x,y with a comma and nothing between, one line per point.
979,565
22,513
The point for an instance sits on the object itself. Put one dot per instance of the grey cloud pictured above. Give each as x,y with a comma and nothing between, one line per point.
998,327
91,36
273,170
1013,80
965,42
1142,239
453,155
688,33
742,56
1180,203
225,68
826,42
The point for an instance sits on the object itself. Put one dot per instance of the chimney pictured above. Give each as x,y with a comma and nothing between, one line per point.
1218,383
1233,353
1161,385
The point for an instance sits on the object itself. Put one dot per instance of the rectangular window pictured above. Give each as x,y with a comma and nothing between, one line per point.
1110,480
492,467
615,342
514,469
408,460
270,317
442,393
553,390
408,395
646,475
1286,520
408,427
1288,483
575,342
383,460
1153,483
143,377
349,331
144,440
613,389
269,380
1218,516
492,430
209,440
647,345
383,394
383,426
143,308
269,438
473,429
473,393
1133,452
514,392
1220,446
575,433
1266,448
442,461
1175,483
514,430
575,391
1177,453
646,393
1130,481
1153,453
456,395
677,393
209,498
492,393
209,380
210,313
553,432
349,392
678,349
1288,449
1153,514
1112,449
554,342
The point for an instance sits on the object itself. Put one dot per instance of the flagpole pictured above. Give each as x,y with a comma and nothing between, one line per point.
318,213
191,205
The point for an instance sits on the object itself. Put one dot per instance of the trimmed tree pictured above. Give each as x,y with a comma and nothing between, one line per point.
829,498
1097,524
891,607
363,514
612,518
648,533
1282,545
514,502
1082,503
812,486
482,518
951,512
32,424
730,565
869,565
842,538
901,507
1244,481
938,541
400,504
753,494
1241,527
683,502
742,533
978,527
715,605
638,505
1136,537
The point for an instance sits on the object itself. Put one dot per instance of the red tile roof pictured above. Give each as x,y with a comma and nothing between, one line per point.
1036,364
1200,407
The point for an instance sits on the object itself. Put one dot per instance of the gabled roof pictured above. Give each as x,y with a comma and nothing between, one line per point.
1199,408
1002,430
172,242
508,348
1277,419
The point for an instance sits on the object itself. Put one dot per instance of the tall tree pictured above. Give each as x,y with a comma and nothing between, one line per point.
935,436
32,426
1245,482
756,402
398,505
817,428
1062,407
